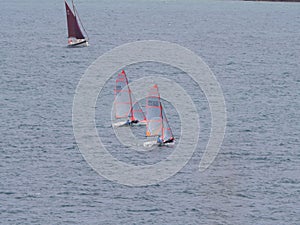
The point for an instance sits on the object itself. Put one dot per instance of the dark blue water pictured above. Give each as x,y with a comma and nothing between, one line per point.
252,48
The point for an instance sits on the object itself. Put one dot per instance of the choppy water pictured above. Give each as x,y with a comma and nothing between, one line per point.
252,48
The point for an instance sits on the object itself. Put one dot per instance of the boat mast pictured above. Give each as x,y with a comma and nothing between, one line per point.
130,98
162,121
74,8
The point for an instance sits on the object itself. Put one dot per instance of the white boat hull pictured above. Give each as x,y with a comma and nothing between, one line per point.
124,123
78,43
142,123
119,124
150,144
167,144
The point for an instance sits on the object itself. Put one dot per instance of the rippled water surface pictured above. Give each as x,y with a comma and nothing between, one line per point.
252,48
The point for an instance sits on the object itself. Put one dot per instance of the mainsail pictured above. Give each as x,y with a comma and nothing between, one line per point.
74,30
123,99
125,107
166,129
153,113
136,113
157,122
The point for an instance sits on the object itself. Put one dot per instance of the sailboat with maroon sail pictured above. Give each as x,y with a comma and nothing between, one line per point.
75,34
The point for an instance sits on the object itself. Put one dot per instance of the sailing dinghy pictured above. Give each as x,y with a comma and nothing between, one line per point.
125,106
157,122
75,35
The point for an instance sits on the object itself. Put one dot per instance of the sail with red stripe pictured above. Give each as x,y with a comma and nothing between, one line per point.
123,101
157,122
166,132
137,113
153,112
125,107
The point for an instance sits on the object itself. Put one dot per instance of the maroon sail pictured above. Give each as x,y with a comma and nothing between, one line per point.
73,26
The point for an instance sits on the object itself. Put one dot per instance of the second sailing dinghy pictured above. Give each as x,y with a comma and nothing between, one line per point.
124,104
75,35
157,122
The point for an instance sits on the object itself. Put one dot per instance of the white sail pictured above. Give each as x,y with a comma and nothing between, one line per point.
166,129
153,112
122,96
157,122
137,113
124,105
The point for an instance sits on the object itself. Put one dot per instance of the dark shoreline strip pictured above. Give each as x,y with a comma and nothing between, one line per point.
272,0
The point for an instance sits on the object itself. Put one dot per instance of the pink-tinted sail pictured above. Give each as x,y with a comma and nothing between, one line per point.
166,129
154,117
125,106
123,101
137,113
157,122
73,26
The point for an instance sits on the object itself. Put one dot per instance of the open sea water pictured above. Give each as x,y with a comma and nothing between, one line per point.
252,48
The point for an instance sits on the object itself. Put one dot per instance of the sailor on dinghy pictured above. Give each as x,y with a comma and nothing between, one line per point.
160,141
131,122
